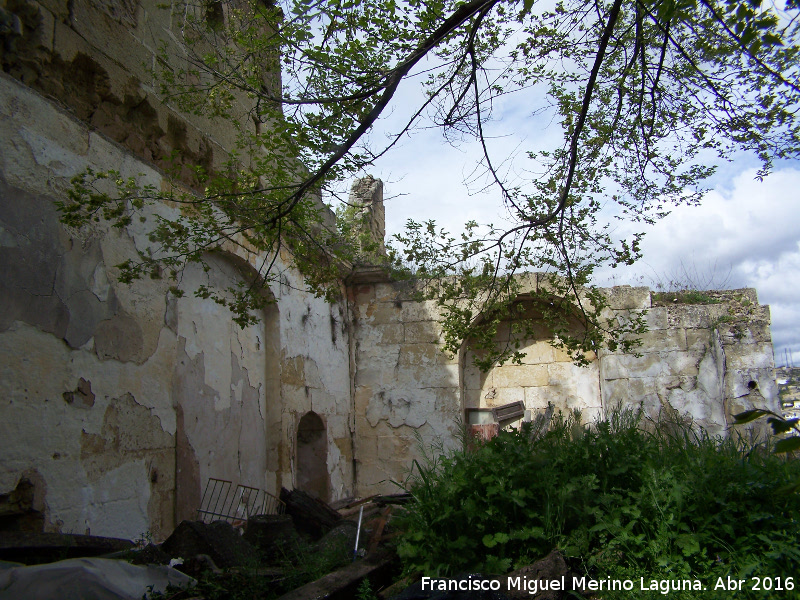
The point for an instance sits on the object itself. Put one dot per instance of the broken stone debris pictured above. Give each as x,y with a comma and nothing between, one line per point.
17,508
270,533
80,578
218,540
310,515
340,539
552,567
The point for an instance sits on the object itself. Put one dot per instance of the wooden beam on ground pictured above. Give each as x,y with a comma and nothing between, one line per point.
343,584
376,535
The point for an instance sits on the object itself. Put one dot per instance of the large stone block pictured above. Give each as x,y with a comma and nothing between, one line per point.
361,398
433,376
422,332
419,354
629,393
699,340
394,446
473,398
700,408
664,340
757,382
386,357
363,294
387,292
624,366
448,402
755,331
749,356
472,377
393,333
509,376
656,318
625,297
649,365
401,407
427,310
112,37
384,312
505,396
539,352
689,316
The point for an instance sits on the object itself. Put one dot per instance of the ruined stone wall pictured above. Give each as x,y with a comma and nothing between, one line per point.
119,401
404,387
98,59
704,362
709,356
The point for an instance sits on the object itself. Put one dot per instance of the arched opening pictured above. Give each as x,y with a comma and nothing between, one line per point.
227,388
546,375
312,456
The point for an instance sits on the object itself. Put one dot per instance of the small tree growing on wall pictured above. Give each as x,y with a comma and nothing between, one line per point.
643,92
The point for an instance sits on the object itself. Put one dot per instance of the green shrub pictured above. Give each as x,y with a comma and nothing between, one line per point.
619,500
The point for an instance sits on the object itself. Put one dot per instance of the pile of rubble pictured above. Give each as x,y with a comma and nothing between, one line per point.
49,565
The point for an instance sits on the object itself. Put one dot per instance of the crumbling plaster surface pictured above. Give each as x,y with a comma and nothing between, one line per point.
702,362
404,387
79,350
314,354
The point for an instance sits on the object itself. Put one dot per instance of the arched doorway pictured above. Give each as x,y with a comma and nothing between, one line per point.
312,456
546,375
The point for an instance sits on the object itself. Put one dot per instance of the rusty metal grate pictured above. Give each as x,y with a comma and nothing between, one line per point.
222,502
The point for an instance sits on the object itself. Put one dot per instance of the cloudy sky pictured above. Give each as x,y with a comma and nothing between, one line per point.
746,233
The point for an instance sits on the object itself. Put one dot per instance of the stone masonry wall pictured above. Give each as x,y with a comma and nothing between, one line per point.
703,362
98,59
118,401
404,387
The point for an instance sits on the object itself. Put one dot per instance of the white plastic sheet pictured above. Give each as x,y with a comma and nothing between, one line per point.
87,579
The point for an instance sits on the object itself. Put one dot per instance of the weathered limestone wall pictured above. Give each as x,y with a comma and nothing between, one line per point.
709,360
115,396
99,58
701,361
404,386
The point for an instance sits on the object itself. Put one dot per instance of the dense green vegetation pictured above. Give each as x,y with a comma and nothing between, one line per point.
619,499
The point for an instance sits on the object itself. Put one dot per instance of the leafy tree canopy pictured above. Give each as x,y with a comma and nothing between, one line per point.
648,94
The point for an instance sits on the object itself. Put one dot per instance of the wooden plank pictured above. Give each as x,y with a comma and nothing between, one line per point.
343,583
376,535
509,412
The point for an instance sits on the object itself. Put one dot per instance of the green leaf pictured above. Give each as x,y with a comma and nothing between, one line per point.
788,445
749,415
688,544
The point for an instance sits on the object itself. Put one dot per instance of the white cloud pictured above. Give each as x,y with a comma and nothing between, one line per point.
748,230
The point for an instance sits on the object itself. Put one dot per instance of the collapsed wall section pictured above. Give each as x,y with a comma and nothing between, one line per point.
707,355
703,359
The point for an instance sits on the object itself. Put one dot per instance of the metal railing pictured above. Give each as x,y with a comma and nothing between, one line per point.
222,502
